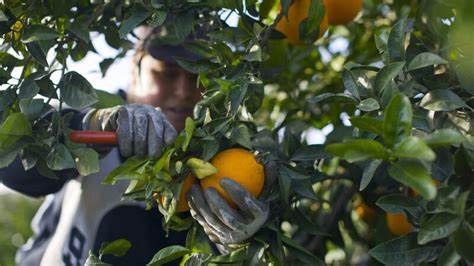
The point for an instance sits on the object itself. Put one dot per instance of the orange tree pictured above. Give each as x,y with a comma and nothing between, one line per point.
393,87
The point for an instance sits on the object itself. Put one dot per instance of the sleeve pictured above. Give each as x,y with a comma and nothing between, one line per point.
31,182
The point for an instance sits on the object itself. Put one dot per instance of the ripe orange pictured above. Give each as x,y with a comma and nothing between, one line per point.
290,25
366,213
182,202
398,224
342,11
239,165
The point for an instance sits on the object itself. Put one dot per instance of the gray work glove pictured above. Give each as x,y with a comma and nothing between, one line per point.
142,130
225,226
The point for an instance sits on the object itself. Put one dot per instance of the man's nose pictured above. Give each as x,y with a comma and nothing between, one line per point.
184,86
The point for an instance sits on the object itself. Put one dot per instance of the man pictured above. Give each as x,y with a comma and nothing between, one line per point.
79,214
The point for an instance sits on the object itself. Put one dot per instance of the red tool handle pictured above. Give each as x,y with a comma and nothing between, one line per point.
94,137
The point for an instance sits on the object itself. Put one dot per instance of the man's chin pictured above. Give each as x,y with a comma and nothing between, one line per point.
177,119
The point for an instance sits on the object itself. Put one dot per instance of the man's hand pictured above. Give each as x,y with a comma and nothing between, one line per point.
142,130
224,225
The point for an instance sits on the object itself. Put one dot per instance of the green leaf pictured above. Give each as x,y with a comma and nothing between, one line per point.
396,41
28,89
37,53
350,83
9,60
16,124
117,248
387,74
413,148
130,165
438,226
9,154
81,31
442,100
404,251
368,124
4,76
292,244
290,173
414,175
3,17
332,97
157,18
358,150
398,120
284,183
138,14
59,158
235,257
106,100
92,260
200,168
189,130
369,105
37,33
168,254
254,54
449,256
368,174
180,28
396,203
310,26
76,91
31,107
305,189
195,67
425,59
196,240
310,153
444,137
463,243
241,135
87,161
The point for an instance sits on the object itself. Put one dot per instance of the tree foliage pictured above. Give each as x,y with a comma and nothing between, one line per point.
398,97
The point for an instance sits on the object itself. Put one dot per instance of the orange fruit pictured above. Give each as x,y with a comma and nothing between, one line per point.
342,11
239,165
398,224
182,202
366,213
290,25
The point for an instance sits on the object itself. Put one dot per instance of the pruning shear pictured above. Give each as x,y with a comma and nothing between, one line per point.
94,137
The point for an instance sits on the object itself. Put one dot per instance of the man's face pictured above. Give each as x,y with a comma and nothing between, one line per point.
167,86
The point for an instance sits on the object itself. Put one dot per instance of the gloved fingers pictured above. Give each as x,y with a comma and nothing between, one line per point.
125,132
140,127
209,231
170,133
155,135
223,211
90,121
198,204
246,202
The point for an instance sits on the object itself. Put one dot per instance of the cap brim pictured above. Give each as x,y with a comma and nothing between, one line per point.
168,53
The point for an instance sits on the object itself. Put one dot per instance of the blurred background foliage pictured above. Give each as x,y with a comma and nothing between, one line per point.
16,214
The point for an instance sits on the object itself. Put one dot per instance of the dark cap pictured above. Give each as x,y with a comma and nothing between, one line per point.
157,43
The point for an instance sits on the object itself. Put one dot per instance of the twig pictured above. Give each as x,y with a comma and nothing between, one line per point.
330,222
269,29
